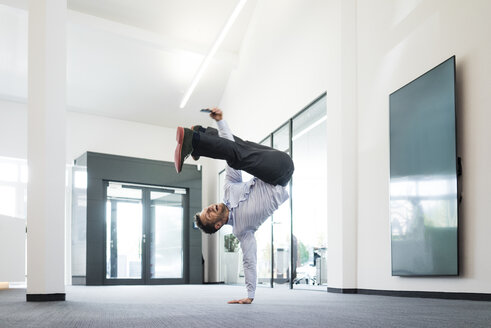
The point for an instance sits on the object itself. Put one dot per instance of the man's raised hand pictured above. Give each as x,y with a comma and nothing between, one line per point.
242,301
216,114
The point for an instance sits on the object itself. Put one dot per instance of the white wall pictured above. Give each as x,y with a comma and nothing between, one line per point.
89,133
282,66
398,41
360,52
12,248
118,137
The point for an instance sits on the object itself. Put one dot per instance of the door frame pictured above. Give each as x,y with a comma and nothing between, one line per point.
147,231
145,272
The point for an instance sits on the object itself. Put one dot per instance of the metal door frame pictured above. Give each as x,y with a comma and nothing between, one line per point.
146,214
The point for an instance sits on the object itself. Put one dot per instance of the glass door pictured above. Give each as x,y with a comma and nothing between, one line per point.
124,224
165,232
144,234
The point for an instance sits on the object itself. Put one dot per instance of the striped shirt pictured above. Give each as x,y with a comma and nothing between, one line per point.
250,203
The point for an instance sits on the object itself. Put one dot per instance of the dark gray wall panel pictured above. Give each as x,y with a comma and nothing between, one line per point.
104,167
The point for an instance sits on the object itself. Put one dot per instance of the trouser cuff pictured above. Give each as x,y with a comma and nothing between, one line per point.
196,139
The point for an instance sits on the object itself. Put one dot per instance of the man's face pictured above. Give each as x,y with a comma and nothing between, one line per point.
215,214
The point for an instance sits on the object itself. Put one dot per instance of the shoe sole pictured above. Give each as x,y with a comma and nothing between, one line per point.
177,153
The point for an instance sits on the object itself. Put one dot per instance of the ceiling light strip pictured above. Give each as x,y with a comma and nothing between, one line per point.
211,53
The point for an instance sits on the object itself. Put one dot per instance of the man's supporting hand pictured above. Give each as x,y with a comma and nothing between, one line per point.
242,301
216,114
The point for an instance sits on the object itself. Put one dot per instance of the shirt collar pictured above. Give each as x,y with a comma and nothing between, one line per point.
230,215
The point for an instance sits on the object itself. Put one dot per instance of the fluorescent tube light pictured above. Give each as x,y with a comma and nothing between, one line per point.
211,53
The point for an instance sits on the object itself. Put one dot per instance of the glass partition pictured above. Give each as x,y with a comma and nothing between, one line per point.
281,138
292,244
282,219
231,266
263,242
309,196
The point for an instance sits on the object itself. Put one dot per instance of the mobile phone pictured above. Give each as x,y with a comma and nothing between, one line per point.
205,110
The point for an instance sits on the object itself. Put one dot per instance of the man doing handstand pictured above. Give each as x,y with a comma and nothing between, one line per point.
246,205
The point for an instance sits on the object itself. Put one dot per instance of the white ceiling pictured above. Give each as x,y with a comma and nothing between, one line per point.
132,60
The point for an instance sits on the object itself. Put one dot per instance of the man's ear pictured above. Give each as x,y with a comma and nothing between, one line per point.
218,225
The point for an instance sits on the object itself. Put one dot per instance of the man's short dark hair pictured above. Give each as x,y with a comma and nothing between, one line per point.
208,228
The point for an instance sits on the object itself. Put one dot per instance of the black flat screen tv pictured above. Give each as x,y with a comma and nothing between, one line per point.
423,175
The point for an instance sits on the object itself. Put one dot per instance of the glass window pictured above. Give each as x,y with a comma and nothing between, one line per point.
9,171
309,196
303,220
13,187
231,266
310,119
282,220
263,243
281,138
8,197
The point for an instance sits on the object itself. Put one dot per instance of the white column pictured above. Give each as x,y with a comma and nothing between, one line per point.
342,167
46,150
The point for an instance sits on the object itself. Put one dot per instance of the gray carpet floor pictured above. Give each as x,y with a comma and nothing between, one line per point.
205,306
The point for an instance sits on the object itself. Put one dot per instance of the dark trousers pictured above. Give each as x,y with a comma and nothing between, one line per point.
270,165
